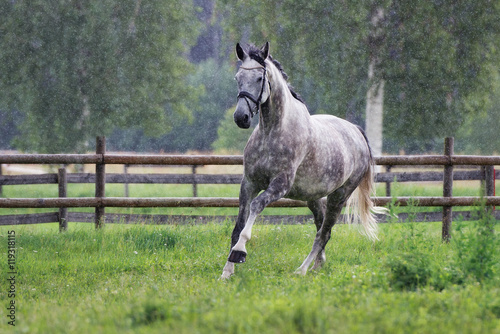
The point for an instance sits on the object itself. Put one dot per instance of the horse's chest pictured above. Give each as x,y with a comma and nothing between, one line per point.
265,162
263,169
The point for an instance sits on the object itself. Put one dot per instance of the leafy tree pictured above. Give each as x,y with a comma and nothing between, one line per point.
218,93
479,133
438,65
196,131
9,122
76,69
210,43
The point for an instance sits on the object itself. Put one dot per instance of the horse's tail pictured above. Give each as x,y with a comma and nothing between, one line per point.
360,207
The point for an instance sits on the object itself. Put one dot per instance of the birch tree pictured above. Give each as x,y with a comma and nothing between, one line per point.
375,93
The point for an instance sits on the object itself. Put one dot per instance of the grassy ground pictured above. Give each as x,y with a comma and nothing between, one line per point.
164,279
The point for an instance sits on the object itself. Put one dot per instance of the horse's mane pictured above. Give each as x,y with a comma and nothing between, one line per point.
256,54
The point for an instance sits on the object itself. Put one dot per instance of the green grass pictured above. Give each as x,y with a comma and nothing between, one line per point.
164,279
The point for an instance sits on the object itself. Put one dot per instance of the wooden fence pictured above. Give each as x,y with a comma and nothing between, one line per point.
448,161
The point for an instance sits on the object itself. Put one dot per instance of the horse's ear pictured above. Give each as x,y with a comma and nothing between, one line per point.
265,50
240,53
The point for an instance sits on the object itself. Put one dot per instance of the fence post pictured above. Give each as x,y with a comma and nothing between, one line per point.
195,188
63,188
1,190
493,183
125,171
388,184
489,178
100,181
489,188
447,189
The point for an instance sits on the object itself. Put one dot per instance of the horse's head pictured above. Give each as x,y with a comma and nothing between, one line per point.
253,84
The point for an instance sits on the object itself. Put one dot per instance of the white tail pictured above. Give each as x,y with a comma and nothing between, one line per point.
360,208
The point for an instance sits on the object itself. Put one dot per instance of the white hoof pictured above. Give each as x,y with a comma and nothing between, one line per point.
225,276
227,271
301,271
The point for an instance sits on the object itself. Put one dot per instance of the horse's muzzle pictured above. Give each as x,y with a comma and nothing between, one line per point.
242,117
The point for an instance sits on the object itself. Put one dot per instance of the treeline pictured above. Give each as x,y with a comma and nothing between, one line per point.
158,76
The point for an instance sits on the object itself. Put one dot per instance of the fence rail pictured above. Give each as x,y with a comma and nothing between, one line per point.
188,160
220,178
223,202
100,178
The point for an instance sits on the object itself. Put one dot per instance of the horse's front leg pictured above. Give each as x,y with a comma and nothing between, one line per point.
247,194
278,188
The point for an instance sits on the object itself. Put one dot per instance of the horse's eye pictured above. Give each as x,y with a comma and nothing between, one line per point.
259,79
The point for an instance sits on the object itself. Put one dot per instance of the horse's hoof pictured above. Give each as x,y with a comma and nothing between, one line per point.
318,264
300,272
225,276
237,256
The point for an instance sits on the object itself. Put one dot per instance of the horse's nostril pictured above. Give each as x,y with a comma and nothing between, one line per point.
245,119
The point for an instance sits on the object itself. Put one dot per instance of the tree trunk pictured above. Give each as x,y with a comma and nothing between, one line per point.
374,112
375,93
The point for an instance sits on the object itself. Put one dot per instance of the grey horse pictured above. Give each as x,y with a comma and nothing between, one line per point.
295,155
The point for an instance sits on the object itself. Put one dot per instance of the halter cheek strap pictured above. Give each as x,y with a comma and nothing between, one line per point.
248,96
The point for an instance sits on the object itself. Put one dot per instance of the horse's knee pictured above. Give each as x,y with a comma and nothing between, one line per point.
257,205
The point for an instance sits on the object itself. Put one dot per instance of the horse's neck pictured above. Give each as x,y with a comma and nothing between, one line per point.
277,108
280,92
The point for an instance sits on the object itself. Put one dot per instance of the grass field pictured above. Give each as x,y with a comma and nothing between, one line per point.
164,279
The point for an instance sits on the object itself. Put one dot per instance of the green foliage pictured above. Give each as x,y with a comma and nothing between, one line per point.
75,69
411,267
479,132
9,123
436,69
214,93
409,271
200,131
473,256
477,244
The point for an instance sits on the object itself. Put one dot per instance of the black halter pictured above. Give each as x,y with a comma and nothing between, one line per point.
248,96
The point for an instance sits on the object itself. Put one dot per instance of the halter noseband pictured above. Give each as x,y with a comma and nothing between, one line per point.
246,95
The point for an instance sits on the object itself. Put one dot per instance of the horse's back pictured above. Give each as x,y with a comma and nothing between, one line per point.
331,130
337,125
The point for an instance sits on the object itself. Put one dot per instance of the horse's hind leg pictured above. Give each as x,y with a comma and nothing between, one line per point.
334,203
318,208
